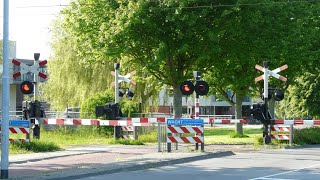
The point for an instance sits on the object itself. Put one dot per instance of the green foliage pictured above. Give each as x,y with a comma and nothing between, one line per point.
127,142
307,136
303,97
128,107
36,146
151,137
99,99
238,135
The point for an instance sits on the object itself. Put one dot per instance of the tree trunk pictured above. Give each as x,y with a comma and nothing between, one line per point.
238,111
177,102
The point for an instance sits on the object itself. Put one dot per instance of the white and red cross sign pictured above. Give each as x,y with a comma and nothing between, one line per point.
125,78
272,73
24,68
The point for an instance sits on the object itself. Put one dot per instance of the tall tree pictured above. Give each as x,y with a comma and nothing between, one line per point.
280,32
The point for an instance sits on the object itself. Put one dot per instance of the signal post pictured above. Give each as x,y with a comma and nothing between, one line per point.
266,118
201,88
33,110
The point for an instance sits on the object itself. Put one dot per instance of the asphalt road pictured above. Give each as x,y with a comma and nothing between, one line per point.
288,164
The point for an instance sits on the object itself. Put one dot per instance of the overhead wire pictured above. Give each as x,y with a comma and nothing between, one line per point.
186,7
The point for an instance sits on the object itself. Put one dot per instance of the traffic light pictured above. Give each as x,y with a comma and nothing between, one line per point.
258,112
278,95
26,87
201,88
187,88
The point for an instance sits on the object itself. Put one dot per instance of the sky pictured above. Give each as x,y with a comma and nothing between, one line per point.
29,25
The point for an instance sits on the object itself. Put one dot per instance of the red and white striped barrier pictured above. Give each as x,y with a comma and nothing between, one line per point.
185,129
298,122
225,121
19,130
130,121
181,139
281,128
127,128
280,136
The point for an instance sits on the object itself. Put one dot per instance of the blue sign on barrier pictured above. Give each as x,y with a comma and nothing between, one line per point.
24,123
184,122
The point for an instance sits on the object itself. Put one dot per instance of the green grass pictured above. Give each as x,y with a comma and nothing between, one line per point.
65,137
228,136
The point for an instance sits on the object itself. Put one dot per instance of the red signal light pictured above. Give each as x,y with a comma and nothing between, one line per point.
201,88
26,87
187,88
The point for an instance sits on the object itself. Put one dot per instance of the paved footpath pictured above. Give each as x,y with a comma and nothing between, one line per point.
84,161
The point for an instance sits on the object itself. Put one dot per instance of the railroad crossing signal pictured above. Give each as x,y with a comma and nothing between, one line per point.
272,73
201,88
125,78
263,114
24,68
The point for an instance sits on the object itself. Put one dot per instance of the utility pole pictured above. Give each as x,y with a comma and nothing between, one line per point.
5,95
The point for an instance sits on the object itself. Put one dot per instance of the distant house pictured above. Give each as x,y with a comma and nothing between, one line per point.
208,105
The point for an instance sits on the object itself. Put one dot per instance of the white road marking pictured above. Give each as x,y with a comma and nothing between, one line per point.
264,177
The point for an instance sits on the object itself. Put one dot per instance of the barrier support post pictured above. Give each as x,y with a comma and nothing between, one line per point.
135,132
159,137
291,135
117,130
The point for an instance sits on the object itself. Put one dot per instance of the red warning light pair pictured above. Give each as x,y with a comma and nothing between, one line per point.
201,88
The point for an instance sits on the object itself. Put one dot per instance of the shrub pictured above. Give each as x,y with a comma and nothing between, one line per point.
36,146
307,136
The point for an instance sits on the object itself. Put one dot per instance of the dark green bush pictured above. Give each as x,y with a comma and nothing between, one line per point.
307,136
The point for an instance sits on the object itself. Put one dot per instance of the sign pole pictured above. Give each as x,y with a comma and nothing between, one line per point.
266,134
5,95
36,128
116,129
116,82
35,77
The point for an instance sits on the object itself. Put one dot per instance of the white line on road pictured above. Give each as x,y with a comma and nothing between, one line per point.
265,177
275,179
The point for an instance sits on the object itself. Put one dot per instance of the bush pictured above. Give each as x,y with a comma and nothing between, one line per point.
36,146
307,136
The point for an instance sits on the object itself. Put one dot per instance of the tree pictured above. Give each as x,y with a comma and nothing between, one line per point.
279,32
71,79
302,99
169,39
